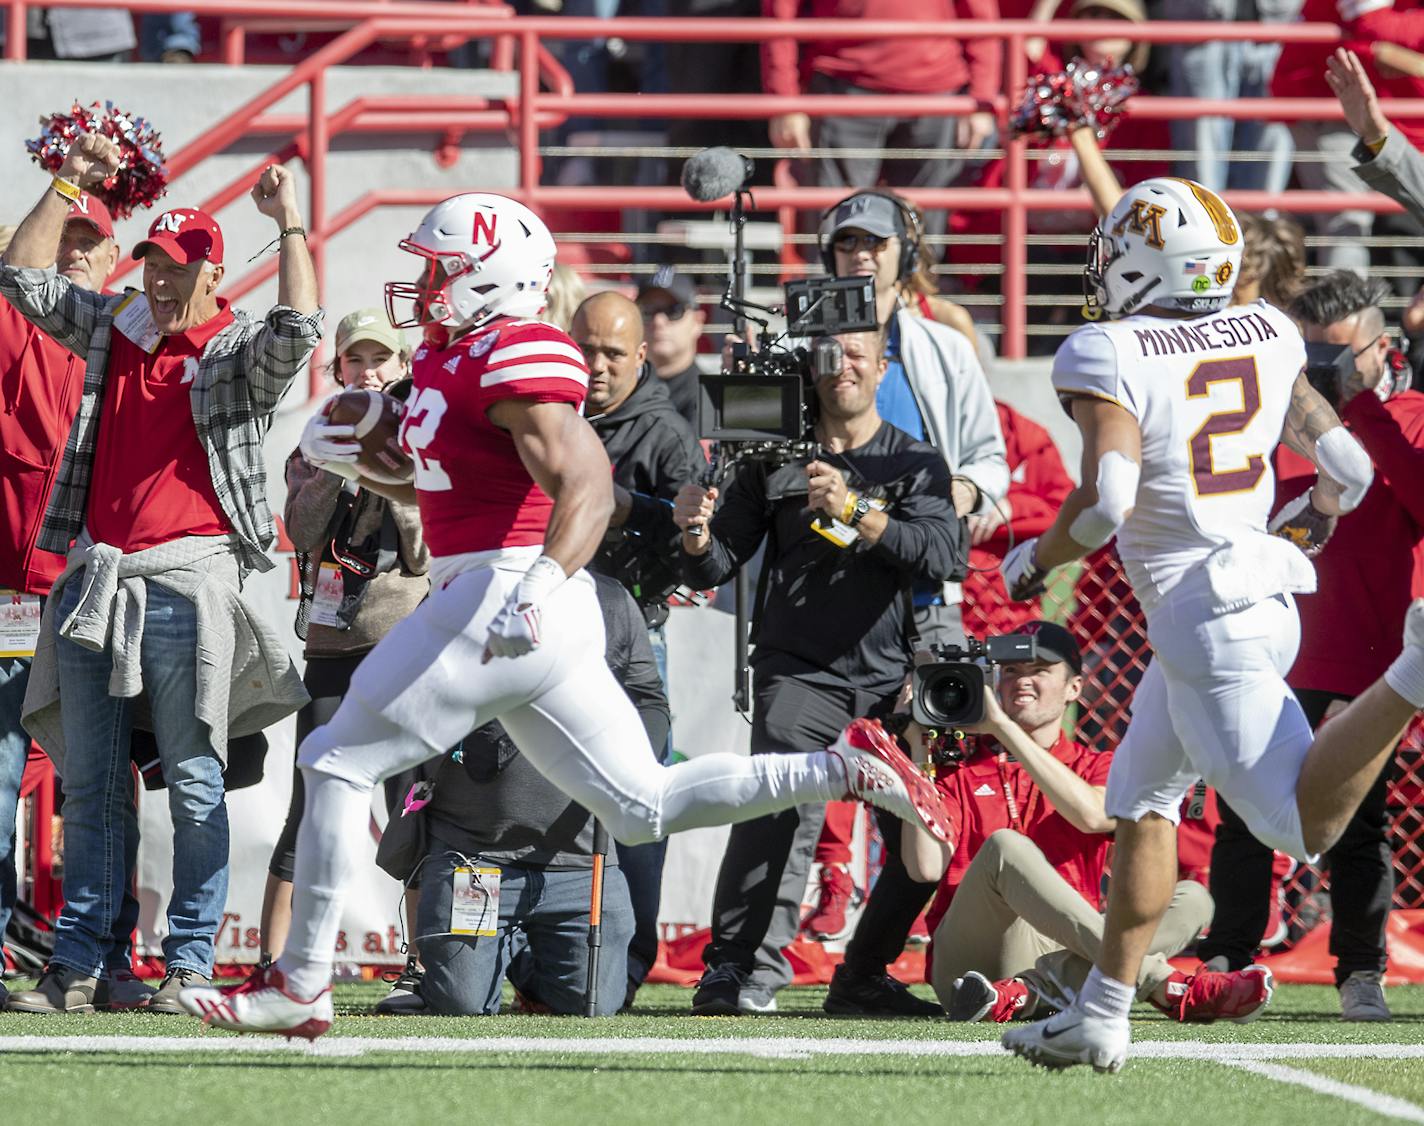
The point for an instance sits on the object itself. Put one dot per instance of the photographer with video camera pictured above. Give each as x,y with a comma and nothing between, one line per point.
654,453
1016,917
934,389
1367,574
847,530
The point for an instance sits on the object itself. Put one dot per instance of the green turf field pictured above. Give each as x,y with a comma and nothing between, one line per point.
1296,1066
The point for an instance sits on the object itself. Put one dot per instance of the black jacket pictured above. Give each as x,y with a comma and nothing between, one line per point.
653,450
831,614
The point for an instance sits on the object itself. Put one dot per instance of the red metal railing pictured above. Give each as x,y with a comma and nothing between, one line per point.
531,108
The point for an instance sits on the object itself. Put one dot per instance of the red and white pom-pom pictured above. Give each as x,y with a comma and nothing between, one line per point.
1079,95
142,177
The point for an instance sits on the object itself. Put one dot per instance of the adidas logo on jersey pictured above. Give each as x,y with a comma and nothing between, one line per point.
984,791
451,364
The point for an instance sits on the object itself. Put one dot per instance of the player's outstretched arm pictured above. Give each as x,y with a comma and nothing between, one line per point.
566,460
1313,430
1112,455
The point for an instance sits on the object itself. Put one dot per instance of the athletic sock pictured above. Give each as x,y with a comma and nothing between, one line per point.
335,816
1105,997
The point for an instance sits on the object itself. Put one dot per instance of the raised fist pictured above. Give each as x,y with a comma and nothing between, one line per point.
275,195
91,159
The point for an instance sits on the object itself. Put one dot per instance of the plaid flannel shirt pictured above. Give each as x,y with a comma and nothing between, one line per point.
242,375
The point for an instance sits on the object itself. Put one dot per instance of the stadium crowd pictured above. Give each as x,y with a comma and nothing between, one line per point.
135,504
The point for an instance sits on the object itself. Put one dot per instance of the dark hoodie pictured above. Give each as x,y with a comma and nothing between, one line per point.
653,450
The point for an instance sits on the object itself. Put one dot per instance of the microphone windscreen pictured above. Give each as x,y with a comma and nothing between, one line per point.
714,173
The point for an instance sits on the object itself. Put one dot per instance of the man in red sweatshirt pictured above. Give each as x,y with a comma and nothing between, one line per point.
1368,573
932,64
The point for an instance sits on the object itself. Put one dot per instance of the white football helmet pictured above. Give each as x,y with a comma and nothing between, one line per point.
1168,242
485,256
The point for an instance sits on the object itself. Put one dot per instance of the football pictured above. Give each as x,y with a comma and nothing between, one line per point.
377,419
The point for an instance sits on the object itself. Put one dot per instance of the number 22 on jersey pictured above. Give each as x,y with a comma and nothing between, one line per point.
422,419
1208,478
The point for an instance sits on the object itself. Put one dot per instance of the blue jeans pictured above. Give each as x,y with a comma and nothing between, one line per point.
1225,70
98,804
159,32
14,748
541,944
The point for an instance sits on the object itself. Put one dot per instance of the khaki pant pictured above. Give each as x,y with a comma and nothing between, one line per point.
1015,916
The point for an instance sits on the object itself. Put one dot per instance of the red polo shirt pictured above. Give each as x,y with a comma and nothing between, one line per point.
40,385
151,481
975,794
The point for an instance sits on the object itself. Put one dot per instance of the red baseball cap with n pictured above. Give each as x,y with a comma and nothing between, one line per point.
90,209
186,236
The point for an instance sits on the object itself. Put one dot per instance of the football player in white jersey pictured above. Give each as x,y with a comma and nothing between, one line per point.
515,492
1180,401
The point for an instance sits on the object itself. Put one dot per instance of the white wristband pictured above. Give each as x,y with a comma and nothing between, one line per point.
1341,457
541,580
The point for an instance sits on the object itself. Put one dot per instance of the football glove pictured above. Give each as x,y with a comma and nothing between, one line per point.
517,628
1022,575
1304,525
330,446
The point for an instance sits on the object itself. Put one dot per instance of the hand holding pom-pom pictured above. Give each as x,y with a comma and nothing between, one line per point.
133,167
1082,94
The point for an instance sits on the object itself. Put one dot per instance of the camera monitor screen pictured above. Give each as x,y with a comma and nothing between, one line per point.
829,306
750,407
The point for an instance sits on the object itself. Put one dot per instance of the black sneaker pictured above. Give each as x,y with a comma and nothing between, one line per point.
404,997
719,992
874,995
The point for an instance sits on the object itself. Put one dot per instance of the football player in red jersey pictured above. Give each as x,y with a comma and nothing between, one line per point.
515,492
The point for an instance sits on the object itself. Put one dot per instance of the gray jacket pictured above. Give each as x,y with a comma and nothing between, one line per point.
1397,171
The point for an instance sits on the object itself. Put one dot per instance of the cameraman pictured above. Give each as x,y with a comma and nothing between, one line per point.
934,389
1016,917
1367,574
654,452
831,628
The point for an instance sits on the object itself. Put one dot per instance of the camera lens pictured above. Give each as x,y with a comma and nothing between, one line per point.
947,695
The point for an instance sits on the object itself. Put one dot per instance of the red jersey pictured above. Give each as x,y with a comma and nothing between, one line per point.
975,793
151,482
40,385
475,493
1373,566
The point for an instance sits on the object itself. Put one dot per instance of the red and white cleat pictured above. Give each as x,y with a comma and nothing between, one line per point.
1206,995
878,772
260,1004
976,998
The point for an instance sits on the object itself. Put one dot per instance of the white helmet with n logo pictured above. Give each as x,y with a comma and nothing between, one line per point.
1168,242
484,255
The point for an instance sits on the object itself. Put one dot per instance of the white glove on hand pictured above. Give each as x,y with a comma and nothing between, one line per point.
330,446
518,627
1022,574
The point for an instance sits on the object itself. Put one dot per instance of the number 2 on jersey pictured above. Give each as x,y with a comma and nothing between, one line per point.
422,419
1205,474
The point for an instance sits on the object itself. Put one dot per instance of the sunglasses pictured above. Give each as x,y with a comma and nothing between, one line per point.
850,243
671,312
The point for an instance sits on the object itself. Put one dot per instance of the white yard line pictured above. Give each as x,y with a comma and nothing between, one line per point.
800,1047
1387,1105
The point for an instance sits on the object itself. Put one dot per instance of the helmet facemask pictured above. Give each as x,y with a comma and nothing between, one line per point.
429,298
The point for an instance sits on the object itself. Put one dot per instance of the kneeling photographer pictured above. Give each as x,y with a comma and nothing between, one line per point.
1015,919
848,529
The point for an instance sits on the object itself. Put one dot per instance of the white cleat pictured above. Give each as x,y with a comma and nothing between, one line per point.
1070,1038
262,1003
878,772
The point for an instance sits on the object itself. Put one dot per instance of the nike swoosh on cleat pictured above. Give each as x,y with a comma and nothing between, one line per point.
1050,1034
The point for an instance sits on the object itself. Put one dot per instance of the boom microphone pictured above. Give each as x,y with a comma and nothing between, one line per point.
714,173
